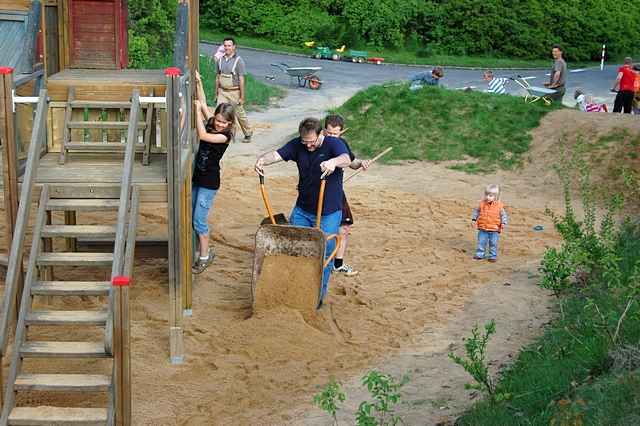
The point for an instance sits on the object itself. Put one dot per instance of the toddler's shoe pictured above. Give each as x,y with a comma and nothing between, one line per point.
493,260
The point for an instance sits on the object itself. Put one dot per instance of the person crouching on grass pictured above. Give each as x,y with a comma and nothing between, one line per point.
215,131
334,126
489,219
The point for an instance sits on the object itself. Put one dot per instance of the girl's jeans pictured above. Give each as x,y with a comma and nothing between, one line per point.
330,224
488,237
201,201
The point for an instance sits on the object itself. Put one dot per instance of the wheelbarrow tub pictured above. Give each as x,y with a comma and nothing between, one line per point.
287,267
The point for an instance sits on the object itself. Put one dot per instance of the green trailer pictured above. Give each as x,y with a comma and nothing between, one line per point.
359,56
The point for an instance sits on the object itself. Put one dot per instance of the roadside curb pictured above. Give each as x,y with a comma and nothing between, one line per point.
453,67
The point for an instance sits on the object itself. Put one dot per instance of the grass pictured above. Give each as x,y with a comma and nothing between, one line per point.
479,130
404,56
567,377
258,94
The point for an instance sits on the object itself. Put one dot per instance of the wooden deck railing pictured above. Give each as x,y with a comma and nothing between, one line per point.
14,267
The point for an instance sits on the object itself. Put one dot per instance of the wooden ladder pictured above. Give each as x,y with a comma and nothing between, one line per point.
71,124
51,366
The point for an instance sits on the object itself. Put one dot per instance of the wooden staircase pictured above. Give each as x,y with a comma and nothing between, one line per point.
73,126
44,304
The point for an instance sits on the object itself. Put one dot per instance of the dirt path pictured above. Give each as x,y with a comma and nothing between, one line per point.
418,293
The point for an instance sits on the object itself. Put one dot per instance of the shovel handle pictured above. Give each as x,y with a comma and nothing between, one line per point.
320,203
338,239
265,198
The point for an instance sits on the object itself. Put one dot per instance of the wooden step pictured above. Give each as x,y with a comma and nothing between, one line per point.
63,350
63,382
75,259
100,104
107,125
4,259
80,231
101,146
57,416
98,318
70,288
82,205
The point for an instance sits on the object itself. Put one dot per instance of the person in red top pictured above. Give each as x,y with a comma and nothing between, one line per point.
624,84
489,219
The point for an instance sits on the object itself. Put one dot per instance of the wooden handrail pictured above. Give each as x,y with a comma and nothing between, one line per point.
117,267
38,141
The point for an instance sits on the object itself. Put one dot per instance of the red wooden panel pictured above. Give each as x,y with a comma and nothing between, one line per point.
94,33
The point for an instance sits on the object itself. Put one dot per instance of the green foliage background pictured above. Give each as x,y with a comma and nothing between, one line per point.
509,28
152,27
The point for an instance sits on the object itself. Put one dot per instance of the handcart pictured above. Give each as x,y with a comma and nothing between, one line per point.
288,262
303,74
534,93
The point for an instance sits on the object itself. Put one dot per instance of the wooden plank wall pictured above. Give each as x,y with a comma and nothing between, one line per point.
15,5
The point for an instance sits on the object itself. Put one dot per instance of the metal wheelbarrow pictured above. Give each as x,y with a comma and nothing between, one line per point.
534,93
303,74
288,263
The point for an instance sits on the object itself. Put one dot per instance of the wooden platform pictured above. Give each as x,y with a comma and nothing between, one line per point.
102,173
105,85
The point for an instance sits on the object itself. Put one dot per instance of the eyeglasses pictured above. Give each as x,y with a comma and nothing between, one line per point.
309,141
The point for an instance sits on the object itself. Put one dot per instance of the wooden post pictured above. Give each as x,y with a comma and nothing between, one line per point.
181,50
121,352
10,166
176,340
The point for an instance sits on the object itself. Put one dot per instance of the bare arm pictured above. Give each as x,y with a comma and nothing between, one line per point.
202,98
329,166
616,85
202,131
554,81
265,160
241,90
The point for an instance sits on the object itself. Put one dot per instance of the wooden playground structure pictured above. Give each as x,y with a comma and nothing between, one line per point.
81,135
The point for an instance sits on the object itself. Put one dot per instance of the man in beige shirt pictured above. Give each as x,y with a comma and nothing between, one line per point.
230,87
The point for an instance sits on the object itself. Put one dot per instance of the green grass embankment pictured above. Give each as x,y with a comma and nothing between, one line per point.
483,131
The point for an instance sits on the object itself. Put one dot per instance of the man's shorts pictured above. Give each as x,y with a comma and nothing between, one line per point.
347,217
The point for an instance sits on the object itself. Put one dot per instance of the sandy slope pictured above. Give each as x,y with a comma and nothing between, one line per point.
417,295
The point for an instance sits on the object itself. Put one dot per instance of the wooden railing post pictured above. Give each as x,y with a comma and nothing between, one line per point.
121,351
176,343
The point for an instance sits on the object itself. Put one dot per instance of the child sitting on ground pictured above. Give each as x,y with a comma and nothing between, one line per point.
489,219
422,79
586,104
495,84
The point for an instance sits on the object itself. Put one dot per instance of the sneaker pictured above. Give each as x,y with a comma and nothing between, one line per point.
202,264
346,270
478,258
247,139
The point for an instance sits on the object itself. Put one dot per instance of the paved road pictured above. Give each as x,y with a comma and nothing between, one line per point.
337,75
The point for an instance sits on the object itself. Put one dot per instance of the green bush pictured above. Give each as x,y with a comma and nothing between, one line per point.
152,27
519,28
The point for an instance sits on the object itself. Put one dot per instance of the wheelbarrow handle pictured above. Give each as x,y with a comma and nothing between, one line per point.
323,183
338,239
265,198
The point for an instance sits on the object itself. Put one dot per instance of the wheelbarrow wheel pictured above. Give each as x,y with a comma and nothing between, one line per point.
314,82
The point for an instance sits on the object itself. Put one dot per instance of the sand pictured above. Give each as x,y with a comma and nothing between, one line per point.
291,281
417,295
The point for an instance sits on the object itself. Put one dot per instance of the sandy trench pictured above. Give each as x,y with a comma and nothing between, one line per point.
416,297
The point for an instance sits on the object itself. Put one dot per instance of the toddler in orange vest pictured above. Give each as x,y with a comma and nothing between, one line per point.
489,219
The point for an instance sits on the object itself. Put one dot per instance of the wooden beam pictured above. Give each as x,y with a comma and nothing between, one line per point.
10,154
176,342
